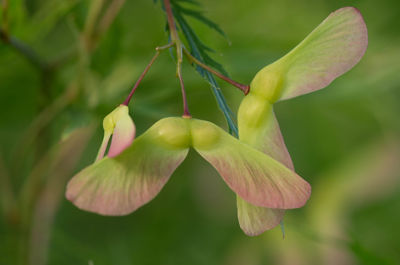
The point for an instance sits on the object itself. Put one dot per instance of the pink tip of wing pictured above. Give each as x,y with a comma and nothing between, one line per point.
332,49
123,136
255,176
120,185
118,194
263,185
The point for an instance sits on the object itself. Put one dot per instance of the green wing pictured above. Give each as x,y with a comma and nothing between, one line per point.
120,185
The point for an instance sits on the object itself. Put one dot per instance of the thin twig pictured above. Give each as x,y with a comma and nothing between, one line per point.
23,49
109,16
6,191
4,20
186,112
128,99
91,22
158,50
192,59
171,22
179,47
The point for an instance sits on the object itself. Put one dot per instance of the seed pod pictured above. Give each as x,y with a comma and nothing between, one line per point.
120,185
330,50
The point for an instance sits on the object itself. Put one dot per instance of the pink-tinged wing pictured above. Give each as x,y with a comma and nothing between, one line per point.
274,144
254,220
259,128
123,135
265,135
120,185
330,50
253,175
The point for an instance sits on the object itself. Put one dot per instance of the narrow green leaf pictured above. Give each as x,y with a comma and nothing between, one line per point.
193,2
200,17
198,51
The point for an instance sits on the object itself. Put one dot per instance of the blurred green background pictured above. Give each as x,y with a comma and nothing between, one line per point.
345,139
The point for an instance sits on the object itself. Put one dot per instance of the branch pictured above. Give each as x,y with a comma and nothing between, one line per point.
109,16
179,54
158,50
23,49
4,21
91,22
199,51
6,192
244,88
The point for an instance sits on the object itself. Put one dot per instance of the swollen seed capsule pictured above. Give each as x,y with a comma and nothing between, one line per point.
111,119
267,84
172,132
253,111
204,134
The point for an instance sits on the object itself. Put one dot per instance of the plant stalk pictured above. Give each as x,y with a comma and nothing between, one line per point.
179,54
4,21
192,59
158,50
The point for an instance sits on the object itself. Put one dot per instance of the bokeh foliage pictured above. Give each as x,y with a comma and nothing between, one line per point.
345,139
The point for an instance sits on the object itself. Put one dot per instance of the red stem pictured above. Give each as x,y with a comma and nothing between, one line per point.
175,39
244,88
126,102
171,22
186,112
